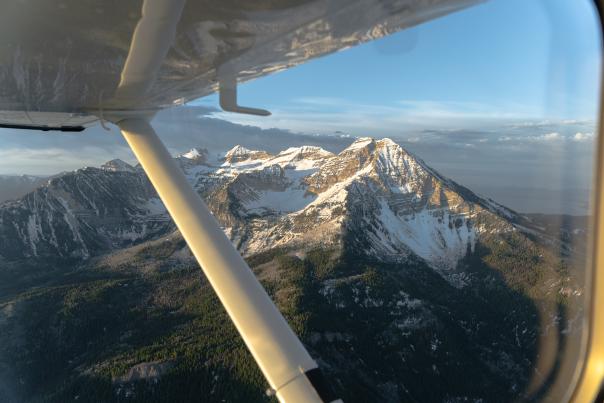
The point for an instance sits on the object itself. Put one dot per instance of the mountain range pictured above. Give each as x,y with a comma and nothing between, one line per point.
404,285
15,186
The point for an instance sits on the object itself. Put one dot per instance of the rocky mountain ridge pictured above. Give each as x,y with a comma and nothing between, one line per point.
404,285
373,197
15,186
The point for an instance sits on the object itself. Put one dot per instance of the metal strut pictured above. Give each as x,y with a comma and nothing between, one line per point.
279,353
227,88
290,371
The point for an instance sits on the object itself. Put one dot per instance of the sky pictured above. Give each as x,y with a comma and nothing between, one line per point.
501,97
506,59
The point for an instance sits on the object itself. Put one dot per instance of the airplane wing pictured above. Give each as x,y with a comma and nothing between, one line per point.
64,64
61,61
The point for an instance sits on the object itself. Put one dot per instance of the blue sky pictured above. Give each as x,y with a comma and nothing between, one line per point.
501,97
504,59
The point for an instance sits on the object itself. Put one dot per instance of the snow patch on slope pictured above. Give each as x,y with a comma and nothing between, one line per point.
286,201
359,143
193,154
439,237
117,165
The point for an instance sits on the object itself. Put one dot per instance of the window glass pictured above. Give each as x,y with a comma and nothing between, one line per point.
418,208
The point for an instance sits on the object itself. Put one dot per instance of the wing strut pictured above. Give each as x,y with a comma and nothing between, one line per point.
290,371
284,361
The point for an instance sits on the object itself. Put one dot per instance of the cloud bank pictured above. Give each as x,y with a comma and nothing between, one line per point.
516,161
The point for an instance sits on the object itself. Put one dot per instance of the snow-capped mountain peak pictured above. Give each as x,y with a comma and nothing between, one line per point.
237,150
308,152
392,203
195,154
302,158
241,154
360,143
117,165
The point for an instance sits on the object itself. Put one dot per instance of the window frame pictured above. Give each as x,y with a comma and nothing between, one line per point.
588,381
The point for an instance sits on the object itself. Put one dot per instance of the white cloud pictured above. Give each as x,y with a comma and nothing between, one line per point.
328,114
542,138
554,136
581,137
37,153
548,123
48,161
415,139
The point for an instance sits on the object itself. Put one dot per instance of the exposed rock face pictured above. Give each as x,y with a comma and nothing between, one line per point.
374,198
15,186
145,371
195,156
117,165
240,154
433,293
81,214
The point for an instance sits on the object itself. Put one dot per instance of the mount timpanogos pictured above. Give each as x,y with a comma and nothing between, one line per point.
404,285
373,197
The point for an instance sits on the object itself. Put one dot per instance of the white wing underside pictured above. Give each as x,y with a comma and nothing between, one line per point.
60,61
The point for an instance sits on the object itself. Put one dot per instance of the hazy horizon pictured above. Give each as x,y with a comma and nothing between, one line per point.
514,122
522,167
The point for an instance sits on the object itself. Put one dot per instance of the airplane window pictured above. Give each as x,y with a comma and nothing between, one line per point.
418,206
